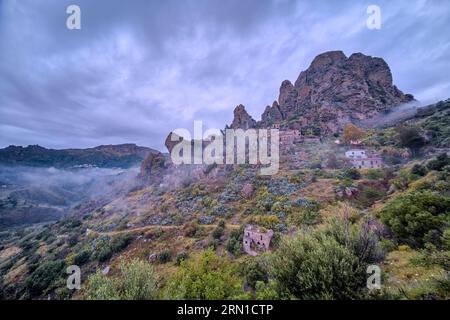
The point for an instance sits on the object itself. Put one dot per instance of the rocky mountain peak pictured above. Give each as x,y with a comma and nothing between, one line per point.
333,91
242,119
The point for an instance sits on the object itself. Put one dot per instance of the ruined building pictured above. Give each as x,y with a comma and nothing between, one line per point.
256,240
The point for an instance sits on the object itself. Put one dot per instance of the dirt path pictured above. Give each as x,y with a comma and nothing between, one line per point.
170,227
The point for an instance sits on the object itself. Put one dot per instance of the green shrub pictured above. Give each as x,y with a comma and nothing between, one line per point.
439,163
42,279
122,242
234,243
82,257
104,253
326,263
181,257
419,170
164,256
218,233
256,270
410,137
135,280
352,174
206,277
368,195
375,174
311,266
413,215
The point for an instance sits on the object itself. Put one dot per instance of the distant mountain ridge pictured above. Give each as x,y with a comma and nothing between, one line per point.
104,156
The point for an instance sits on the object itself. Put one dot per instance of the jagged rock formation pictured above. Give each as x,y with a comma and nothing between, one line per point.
333,91
242,119
154,163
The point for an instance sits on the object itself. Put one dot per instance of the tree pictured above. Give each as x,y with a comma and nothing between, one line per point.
44,277
135,280
352,132
315,266
419,170
439,162
206,277
414,215
410,137
326,263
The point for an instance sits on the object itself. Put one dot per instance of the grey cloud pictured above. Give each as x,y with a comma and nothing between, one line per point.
138,70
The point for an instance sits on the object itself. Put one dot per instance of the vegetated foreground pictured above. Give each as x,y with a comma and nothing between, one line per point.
333,209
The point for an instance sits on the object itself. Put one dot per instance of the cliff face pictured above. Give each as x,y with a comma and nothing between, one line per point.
242,119
333,91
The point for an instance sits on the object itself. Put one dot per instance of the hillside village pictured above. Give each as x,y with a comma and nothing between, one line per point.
346,197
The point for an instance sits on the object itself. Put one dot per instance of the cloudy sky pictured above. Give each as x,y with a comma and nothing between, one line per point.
138,69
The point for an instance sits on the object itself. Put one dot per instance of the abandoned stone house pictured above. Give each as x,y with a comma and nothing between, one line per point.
361,159
289,138
256,240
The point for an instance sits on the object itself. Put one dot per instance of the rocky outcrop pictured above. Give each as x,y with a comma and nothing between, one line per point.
153,165
171,141
272,114
333,91
242,120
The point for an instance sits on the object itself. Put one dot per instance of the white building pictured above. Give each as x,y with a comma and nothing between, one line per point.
360,159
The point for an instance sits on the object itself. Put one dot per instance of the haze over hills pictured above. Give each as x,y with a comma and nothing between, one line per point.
41,185
162,214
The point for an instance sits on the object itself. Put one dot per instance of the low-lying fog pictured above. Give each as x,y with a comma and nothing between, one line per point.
30,194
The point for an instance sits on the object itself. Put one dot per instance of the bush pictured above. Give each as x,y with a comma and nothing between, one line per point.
44,277
164,256
410,137
234,244
218,233
82,257
439,163
419,170
374,174
311,265
121,242
181,257
105,253
352,173
368,195
413,215
256,270
207,277
136,280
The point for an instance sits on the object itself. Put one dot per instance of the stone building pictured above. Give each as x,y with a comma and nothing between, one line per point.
360,159
256,240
